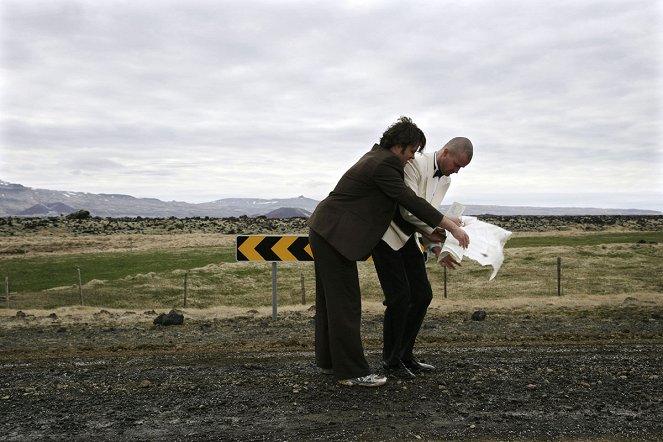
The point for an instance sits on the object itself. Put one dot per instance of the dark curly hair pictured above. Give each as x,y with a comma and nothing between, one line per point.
404,133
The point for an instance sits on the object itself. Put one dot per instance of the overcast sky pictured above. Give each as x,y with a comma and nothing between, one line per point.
200,100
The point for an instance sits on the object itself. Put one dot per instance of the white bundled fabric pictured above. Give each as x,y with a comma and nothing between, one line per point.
486,244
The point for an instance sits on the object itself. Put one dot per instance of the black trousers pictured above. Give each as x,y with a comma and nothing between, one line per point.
337,312
407,295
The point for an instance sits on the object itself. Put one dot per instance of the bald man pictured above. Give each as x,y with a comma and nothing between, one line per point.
399,261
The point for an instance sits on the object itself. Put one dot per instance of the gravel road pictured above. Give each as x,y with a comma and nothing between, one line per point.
587,372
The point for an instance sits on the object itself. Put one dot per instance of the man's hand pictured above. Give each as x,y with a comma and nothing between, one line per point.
453,224
455,219
461,236
435,235
449,262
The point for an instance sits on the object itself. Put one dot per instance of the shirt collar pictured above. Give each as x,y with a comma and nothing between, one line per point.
435,169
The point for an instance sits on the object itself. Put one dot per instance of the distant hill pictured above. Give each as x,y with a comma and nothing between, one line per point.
257,206
548,211
19,200
45,209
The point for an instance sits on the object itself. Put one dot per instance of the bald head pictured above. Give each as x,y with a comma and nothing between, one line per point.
455,155
460,145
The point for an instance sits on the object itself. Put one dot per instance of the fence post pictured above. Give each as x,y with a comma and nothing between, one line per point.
80,285
559,276
186,287
303,290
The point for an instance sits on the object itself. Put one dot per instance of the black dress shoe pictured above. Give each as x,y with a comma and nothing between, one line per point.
398,371
414,365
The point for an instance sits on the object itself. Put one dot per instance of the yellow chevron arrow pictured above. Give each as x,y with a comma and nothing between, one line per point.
248,248
308,250
281,248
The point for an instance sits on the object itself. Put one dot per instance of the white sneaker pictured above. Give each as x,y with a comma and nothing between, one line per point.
372,380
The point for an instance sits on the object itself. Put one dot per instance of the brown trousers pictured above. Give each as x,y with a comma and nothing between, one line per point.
337,312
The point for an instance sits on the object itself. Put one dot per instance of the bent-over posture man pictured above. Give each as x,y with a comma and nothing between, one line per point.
400,264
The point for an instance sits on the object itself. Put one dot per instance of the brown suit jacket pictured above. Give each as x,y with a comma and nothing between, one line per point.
358,211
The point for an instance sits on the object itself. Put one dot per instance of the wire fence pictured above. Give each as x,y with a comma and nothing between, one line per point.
139,279
526,272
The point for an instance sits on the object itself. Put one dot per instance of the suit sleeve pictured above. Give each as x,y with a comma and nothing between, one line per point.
388,177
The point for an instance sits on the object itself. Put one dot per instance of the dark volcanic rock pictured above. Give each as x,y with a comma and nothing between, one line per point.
10,226
288,212
81,214
172,318
479,315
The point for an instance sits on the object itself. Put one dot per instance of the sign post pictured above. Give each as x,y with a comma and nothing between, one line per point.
273,248
275,296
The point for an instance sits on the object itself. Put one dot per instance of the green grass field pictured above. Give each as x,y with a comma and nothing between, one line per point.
593,263
35,274
585,240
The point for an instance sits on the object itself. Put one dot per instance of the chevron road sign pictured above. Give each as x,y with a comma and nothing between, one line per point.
273,248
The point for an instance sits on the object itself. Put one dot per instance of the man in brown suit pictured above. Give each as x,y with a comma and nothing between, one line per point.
344,228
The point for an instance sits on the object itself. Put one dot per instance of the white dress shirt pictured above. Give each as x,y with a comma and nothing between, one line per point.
419,177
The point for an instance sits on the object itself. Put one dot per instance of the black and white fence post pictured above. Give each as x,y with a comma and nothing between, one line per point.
303,289
186,287
80,285
559,276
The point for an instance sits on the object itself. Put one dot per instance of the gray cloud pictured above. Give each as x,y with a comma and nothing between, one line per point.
205,95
